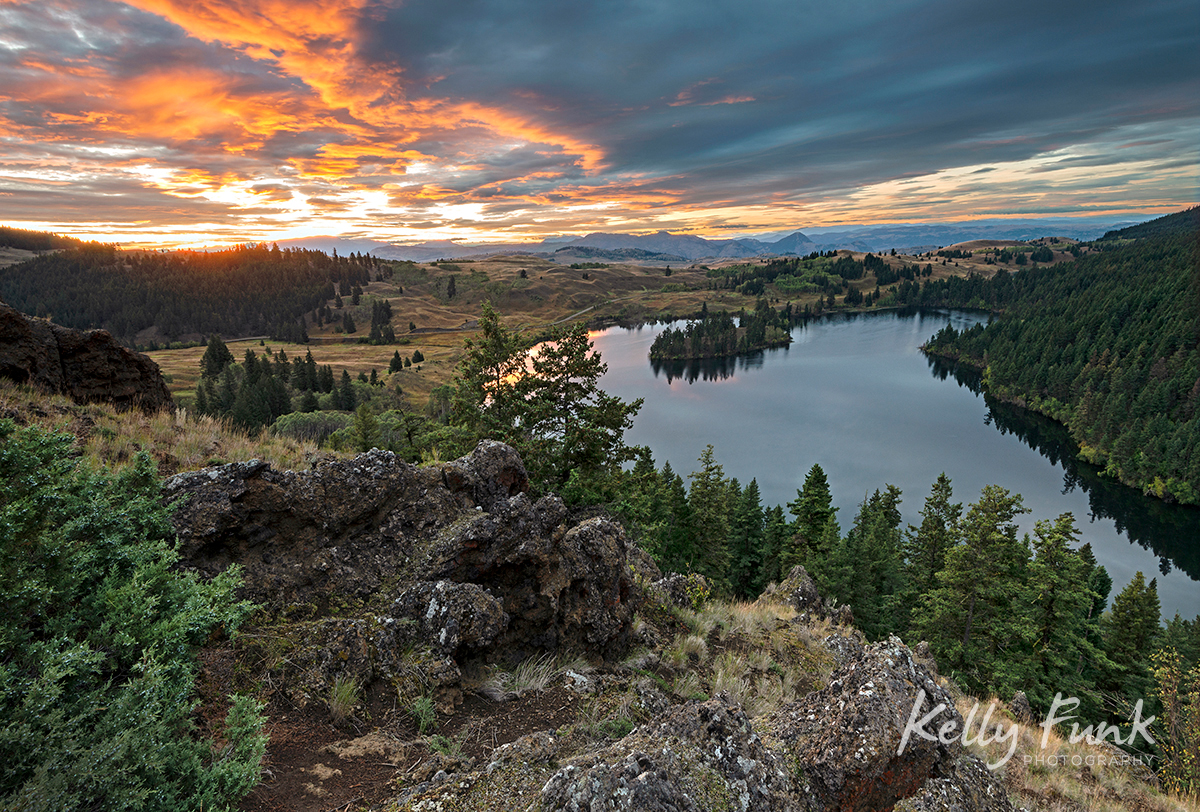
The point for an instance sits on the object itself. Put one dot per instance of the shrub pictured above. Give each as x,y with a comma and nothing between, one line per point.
424,714
99,636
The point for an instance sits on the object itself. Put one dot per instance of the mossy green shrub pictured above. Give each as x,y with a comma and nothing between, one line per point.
98,639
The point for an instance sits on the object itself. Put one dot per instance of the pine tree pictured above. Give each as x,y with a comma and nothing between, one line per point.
813,509
365,429
1062,600
347,402
971,616
776,533
708,500
864,569
746,541
925,546
572,424
1131,631
216,357
680,550
397,363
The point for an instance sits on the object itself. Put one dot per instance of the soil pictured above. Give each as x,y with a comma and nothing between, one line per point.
316,765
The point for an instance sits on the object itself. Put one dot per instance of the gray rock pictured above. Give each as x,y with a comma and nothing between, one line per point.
846,738
448,616
699,757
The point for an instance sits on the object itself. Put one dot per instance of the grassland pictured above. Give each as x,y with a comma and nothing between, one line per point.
547,294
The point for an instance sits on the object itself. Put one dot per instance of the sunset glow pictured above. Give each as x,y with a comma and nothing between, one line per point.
202,122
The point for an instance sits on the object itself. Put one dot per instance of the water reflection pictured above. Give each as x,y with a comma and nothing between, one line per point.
705,369
1169,531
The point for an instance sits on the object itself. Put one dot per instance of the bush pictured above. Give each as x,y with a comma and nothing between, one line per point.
312,426
99,635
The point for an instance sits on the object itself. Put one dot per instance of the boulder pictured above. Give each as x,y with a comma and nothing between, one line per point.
509,574
86,365
701,756
799,591
846,738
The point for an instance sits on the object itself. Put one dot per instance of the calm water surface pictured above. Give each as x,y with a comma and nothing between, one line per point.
855,394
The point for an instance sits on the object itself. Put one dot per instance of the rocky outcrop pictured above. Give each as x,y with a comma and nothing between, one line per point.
86,365
702,756
848,740
799,591
478,567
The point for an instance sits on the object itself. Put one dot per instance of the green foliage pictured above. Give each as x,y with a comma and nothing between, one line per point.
814,512
972,616
717,336
746,539
1106,345
1130,630
366,429
1178,689
547,404
240,291
708,497
424,714
216,357
99,634
865,568
925,546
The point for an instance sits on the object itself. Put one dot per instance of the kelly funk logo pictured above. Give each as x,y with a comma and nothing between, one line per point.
994,733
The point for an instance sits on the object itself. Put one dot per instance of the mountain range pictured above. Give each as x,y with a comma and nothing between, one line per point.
666,247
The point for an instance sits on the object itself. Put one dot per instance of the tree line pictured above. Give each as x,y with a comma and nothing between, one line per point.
1106,345
247,290
1002,611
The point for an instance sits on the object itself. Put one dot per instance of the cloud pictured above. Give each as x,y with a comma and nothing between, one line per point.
492,114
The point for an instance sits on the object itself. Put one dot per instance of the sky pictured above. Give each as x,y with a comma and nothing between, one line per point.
189,122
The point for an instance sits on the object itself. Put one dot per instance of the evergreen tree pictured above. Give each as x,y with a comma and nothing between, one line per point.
348,324
971,617
397,363
746,542
365,429
865,569
567,420
485,396
325,378
216,357
347,401
925,546
1062,600
707,498
1131,631
813,509
679,539
776,533
100,631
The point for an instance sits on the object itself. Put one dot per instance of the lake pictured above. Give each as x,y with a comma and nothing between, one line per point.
855,394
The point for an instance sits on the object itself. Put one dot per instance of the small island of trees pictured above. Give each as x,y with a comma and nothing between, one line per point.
719,336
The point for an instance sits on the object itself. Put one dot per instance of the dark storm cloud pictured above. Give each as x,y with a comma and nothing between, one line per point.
840,93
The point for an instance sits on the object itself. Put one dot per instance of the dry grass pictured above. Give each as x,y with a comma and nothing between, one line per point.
177,440
1066,776
532,675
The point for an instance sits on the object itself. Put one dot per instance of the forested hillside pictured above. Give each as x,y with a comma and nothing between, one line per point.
1106,345
248,290
34,240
